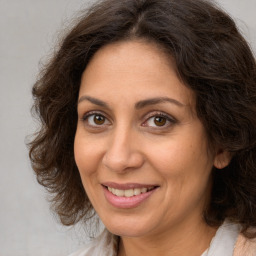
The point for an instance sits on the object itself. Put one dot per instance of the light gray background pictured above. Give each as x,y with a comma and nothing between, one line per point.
28,31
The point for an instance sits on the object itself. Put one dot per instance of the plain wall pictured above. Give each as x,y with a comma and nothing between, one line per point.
28,30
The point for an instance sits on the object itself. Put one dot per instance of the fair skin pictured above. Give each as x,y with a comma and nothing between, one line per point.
128,141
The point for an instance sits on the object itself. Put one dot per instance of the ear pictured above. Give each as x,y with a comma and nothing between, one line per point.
222,159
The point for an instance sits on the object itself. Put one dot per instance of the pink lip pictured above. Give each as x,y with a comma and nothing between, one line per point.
127,185
126,202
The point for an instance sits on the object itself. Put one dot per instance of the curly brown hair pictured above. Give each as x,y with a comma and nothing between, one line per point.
212,58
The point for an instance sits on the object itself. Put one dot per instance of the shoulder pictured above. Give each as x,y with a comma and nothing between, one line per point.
245,246
104,245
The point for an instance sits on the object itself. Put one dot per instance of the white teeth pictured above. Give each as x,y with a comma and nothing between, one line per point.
143,190
119,192
137,191
128,192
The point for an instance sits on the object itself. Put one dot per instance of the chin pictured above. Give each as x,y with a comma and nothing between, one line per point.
127,231
128,227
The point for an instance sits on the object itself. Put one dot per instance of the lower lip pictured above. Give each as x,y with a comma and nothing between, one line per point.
126,202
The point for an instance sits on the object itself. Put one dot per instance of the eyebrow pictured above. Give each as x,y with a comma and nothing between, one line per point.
138,105
157,100
94,101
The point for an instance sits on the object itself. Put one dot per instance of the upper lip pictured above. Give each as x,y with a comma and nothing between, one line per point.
126,186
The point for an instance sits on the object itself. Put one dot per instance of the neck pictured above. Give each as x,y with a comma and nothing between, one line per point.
182,240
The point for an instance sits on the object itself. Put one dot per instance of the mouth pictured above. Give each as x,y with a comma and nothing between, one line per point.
128,195
129,192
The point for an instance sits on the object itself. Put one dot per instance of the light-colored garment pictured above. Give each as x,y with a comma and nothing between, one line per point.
226,242
104,245
223,243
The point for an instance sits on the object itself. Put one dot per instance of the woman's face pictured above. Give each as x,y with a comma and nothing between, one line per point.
140,148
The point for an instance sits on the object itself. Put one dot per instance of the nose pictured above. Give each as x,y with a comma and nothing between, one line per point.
123,152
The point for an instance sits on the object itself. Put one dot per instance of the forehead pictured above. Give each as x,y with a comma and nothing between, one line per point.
135,68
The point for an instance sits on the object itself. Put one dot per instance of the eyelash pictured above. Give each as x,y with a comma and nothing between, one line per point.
91,114
168,119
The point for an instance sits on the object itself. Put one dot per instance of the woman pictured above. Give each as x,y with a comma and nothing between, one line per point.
148,119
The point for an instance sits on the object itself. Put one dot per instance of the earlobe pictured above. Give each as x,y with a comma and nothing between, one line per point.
222,159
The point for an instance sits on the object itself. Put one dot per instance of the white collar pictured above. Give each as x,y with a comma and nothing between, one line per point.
223,243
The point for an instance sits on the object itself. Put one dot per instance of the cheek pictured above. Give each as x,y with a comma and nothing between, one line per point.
183,159
88,159
186,173
87,155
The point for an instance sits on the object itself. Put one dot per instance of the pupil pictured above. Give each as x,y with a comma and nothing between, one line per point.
99,119
160,121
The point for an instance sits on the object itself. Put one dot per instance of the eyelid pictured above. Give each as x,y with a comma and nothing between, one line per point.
95,112
169,118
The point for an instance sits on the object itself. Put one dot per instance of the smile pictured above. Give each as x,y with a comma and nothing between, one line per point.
129,192
127,195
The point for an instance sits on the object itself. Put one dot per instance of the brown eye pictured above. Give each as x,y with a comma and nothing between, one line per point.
98,119
95,120
159,121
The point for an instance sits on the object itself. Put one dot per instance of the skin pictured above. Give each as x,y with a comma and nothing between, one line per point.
129,146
